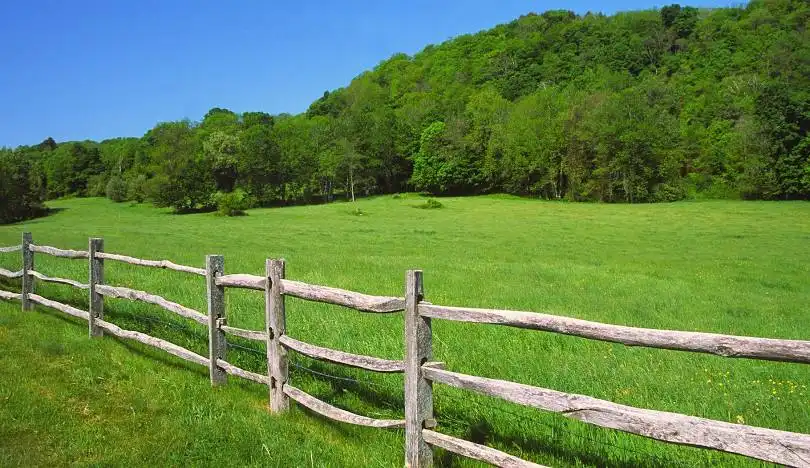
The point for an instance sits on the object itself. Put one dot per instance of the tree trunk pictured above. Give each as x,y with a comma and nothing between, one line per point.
351,181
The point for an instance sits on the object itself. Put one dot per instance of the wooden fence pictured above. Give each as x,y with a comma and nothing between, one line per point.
420,370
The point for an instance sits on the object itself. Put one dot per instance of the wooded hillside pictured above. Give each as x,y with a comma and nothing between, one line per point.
643,106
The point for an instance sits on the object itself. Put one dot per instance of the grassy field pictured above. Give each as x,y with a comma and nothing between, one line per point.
728,267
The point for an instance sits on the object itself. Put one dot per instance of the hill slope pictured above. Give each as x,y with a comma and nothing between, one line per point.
636,107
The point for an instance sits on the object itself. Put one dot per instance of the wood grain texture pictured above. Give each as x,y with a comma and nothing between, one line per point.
170,348
12,296
332,412
246,334
476,451
418,390
96,275
214,266
59,306
27,265
770,445
75,254
312,292
241,280
135,295
233,370
11,274
49,279
13,248
165,264
710,343
343,297
276,327
341,357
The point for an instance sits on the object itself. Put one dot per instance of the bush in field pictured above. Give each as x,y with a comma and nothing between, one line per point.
136,188
430,204
117,189
232,203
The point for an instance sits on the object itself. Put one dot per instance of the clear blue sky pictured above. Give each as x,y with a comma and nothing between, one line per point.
82,69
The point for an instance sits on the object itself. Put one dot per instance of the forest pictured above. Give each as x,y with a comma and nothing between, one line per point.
645,106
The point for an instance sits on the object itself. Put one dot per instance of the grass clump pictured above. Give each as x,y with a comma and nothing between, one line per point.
430,204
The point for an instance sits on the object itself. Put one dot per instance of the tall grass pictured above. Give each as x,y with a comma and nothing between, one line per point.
727,267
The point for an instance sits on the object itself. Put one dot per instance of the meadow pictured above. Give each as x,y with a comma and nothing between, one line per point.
716,266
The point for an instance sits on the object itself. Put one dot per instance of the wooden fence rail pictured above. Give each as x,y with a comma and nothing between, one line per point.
10,295
151,263
764,444
711,343
341,357
332,412
314,292
11,274
70,310
246,334
135,295
420,370
74,254
49,279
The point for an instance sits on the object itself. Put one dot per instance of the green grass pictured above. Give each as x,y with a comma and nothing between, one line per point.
726,266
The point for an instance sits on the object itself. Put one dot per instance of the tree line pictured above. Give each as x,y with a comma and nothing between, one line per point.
644,106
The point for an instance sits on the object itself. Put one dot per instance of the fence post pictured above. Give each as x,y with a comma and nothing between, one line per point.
96,278
276,324
27,266
214,266
418,390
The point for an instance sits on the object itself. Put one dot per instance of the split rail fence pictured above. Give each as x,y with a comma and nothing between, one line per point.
421,371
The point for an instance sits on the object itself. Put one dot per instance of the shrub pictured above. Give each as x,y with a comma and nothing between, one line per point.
117,189
430,204
136,188
232,203
97,185
669,192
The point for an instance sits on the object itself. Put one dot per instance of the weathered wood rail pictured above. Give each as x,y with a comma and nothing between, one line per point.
332,412
170,348
341,357
421,371
476,451
74,254
49,279
11,274
151,263
710,343
70,310
312,292
135,295
11,296
246,334
765,444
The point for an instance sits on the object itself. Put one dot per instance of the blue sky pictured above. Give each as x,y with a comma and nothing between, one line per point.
84,69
